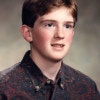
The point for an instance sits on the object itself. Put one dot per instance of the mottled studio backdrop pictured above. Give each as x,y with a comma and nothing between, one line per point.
84,54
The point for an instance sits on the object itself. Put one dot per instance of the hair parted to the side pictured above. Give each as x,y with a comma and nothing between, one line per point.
32,9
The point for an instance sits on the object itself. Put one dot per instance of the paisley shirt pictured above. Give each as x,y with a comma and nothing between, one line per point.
25,81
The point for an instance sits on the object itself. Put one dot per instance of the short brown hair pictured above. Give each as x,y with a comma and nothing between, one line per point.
32,9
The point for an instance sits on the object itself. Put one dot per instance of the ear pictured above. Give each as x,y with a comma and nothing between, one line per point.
26,33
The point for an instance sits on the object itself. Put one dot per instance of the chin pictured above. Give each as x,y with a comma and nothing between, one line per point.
57,59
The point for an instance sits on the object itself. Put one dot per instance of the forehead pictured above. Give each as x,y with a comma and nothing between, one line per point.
59,14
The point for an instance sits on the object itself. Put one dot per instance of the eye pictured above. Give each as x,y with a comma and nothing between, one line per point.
69,26
49,25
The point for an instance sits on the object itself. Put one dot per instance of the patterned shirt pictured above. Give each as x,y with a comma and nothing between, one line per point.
25,81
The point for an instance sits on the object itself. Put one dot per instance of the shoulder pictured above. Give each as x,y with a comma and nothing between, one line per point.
76,74
6,74
76,80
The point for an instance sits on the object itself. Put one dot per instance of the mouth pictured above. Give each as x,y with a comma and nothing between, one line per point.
58,45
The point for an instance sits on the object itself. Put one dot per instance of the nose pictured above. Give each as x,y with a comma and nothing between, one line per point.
59,34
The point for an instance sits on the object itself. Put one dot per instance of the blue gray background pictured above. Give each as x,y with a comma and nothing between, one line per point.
84,54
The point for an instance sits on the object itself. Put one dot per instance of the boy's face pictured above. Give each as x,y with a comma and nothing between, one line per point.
52,34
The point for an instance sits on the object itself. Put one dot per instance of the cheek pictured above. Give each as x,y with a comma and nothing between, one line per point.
70,37
41,38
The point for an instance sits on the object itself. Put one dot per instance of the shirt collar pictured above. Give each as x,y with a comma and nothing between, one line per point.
35,74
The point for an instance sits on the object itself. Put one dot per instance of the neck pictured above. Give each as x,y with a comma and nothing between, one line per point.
49,68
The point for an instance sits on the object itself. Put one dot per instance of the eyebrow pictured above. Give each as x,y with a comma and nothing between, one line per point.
50,20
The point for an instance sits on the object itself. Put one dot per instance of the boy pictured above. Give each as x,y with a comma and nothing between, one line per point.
48,25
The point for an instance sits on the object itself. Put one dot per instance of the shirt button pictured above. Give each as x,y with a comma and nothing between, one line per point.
48,81
62,86
37,88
